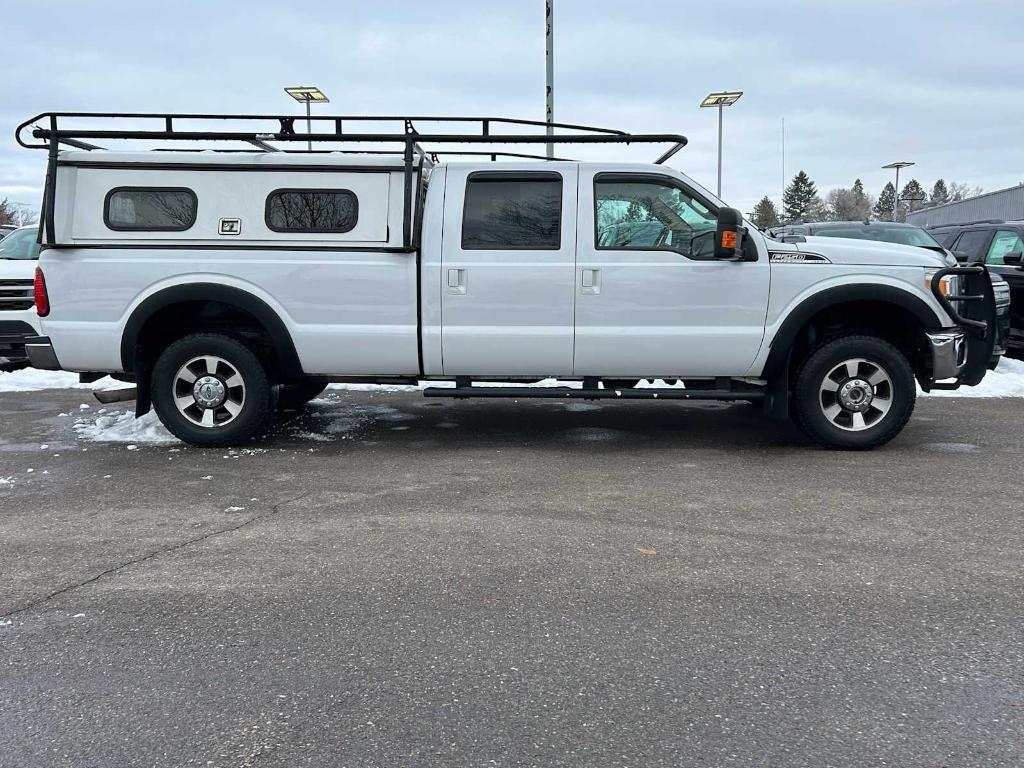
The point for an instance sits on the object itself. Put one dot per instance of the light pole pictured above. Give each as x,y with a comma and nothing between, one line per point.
307,94
896,195
721,100
549,61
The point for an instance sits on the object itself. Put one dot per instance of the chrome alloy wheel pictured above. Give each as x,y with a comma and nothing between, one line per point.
209,391
856,394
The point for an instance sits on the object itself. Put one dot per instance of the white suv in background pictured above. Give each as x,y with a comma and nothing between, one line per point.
19,252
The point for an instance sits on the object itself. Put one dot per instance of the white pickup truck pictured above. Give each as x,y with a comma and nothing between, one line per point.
224,283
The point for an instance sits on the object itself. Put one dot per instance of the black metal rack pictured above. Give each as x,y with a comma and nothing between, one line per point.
48,132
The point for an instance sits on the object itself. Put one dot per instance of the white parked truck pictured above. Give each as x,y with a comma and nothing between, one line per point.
226,283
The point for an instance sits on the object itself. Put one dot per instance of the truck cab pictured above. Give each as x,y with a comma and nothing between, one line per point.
223,284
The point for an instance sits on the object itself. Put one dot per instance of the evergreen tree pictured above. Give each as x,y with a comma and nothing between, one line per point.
765,213
800,200
886,201
940,194
859,195
913,197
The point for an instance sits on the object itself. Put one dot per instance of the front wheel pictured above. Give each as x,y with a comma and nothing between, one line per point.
854,393
209,389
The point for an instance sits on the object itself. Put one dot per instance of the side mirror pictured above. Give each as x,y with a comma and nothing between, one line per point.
729,235
962,256
1015,259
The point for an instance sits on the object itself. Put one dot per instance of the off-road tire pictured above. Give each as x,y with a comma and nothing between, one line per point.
257,402
809,393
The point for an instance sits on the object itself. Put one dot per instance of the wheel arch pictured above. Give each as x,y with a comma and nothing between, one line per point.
800,318
229,296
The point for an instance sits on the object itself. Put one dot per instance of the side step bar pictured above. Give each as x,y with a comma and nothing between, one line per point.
596,394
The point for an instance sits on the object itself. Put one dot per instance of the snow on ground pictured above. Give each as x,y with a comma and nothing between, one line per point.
32,380
124,428
338,420
1007,380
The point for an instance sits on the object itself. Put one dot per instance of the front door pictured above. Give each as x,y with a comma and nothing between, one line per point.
651,301
507,263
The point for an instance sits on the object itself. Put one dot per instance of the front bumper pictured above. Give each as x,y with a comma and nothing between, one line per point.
949,353
41,355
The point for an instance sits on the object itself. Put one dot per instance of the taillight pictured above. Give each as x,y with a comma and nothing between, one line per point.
39,290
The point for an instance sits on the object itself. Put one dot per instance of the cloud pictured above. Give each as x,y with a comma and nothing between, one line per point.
859,85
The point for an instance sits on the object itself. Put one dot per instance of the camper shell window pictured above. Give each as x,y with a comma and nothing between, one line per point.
150,209
332,211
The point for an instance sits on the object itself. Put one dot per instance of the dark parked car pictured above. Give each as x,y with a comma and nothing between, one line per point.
999,245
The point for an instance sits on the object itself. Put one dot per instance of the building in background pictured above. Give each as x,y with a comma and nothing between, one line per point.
1004,204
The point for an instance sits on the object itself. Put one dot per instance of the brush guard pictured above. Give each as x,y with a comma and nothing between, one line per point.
973,309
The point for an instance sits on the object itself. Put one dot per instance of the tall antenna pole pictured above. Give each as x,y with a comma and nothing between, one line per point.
783,198
549,36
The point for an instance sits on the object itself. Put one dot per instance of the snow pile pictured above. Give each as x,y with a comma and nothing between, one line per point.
32,380
1007,380
124,428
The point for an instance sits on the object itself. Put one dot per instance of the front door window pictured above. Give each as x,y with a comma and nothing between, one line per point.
653,215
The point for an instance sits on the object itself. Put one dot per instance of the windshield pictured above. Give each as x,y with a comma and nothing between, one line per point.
884,234
20,244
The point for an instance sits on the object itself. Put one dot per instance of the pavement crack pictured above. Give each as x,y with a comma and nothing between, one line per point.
274,509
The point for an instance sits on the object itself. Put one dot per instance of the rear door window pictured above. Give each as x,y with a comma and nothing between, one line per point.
512,211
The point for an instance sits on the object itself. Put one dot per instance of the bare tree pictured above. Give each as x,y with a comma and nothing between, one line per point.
849,204
27,215
959,191
8,213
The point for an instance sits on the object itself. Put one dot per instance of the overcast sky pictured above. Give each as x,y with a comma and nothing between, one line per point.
860,84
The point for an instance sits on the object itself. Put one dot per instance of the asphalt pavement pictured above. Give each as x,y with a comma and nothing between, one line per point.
393,581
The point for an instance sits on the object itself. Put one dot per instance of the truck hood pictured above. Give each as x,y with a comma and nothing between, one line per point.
842,250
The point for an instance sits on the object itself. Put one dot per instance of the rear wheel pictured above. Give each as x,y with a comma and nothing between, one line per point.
210,389
854,393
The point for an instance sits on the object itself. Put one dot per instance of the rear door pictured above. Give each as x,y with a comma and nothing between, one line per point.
507,264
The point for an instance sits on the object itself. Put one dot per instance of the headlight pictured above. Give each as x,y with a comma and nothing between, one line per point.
948,286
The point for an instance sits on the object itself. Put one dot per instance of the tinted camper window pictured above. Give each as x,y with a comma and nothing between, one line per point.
150,209
312,210
504,212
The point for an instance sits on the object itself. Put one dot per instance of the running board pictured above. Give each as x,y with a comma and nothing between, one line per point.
108,396
596,394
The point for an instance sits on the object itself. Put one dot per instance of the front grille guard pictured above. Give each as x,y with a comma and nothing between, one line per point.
980,328
978,318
